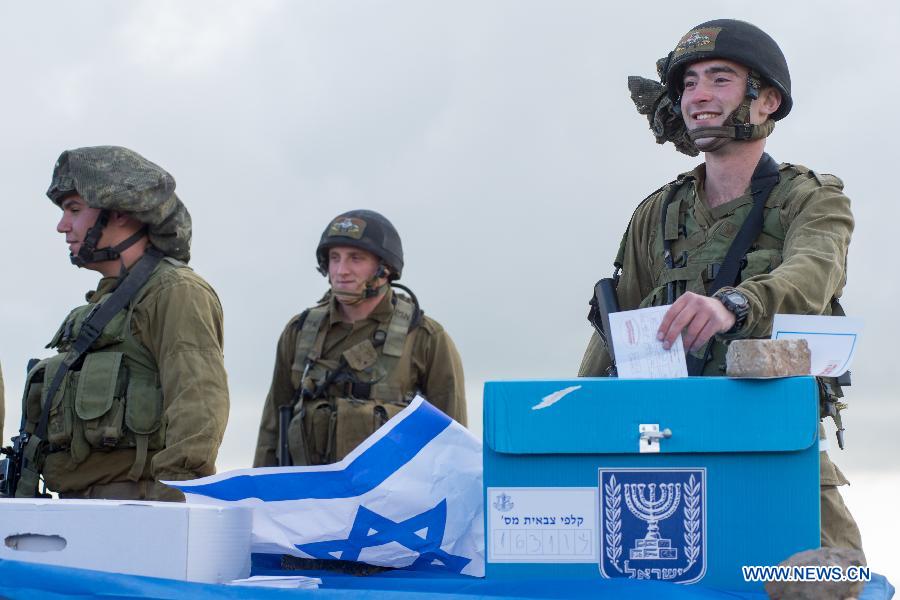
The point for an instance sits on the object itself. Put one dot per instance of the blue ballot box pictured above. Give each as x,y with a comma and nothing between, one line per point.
683,480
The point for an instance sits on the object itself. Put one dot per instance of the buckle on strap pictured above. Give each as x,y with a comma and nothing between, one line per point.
744,131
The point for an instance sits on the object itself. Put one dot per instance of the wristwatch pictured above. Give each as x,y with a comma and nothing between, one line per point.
736,303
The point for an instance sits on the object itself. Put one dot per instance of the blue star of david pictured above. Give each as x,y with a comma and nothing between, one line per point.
371,529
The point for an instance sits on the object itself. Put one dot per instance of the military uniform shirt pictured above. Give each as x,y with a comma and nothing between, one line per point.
430,364
796,266
179,320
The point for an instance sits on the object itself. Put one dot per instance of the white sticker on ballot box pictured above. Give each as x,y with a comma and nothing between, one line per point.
542,525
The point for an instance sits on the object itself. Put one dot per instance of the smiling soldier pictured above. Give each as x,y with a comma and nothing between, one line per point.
740,238
353,361
137,392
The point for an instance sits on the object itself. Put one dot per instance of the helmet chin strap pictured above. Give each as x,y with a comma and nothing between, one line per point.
88,252
369,291
737,126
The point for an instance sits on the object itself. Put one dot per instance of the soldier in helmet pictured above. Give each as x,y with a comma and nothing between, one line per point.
353,361
137,392
741,237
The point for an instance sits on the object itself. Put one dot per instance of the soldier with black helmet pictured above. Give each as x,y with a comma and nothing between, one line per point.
741,237
357,358
137,392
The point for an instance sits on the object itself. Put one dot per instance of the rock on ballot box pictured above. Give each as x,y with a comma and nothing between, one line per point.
683,480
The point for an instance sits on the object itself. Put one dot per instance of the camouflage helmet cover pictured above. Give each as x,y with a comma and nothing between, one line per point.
735,40
116,178
367,230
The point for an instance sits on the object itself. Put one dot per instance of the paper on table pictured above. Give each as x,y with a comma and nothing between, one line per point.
832,340
280,581
639,355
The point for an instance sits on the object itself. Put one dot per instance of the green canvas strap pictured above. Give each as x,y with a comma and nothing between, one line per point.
673,220
398,328
309,339
140,456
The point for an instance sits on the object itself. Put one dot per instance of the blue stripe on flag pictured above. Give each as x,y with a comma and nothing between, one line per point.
367,471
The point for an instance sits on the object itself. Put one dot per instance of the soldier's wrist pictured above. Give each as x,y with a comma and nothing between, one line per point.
737,303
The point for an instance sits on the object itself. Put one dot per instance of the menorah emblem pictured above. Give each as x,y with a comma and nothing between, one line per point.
642,502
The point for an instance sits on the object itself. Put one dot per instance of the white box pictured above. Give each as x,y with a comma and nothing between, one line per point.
189,542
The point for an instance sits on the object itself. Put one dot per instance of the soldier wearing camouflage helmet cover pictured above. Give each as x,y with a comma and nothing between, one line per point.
740,238
357,358
137,393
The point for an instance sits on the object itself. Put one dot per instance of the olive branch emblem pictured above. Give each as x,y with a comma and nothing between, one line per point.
613,514
691,521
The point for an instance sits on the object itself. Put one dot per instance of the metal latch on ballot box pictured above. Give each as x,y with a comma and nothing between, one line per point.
650,436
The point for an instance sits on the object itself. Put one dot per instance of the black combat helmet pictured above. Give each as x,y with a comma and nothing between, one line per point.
732,40
365,229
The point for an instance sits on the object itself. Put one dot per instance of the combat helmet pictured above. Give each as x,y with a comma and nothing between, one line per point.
367,230
729,39
735,40
112,178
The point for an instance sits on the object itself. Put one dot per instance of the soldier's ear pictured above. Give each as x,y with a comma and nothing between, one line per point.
769,100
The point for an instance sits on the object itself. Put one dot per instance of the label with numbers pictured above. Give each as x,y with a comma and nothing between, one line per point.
541,525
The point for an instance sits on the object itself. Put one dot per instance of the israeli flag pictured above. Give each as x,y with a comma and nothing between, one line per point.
409,496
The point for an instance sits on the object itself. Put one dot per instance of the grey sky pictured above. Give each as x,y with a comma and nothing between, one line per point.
497,136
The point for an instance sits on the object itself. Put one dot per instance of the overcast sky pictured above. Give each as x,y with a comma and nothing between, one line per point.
497,136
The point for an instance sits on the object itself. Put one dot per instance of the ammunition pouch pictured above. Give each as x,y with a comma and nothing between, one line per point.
333,427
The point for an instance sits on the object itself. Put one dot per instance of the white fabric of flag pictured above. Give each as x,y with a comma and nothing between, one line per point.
409,496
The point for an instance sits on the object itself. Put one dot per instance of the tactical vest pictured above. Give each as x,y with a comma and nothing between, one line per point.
112,399
340,402
698,253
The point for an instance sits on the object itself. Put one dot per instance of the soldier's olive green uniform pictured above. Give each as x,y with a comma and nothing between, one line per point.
797,265
137,392
150,401
347,413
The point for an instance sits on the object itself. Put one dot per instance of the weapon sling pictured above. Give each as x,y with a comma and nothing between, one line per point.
764,179
91,329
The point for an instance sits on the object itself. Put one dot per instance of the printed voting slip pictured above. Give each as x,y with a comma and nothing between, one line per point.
832,340
639,355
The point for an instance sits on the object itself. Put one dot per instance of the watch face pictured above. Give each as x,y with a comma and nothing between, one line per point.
736,298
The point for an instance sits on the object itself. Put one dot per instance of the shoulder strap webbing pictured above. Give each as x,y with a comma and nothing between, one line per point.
666,239
764,179
673,187
93,325
398,327
306,339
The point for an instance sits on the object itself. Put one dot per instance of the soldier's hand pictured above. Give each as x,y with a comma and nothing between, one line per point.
697,318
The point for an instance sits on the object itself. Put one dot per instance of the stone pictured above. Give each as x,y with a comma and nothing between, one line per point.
819,590
767,358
